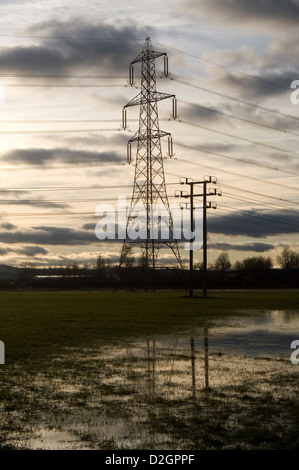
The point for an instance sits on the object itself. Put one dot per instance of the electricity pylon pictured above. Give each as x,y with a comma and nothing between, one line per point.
149,188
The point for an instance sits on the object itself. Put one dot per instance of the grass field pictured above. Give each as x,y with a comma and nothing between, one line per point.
36,323
77,374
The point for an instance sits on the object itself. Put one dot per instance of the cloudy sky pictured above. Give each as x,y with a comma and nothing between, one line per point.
64,82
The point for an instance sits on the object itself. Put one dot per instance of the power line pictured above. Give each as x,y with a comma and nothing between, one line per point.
254,77
251,221
239,100
83,38
70,188
65,188
62,121
57,201
34,75
249,162
259,194
244,190
251,76
75,165
59,131
93,163
255,202
245,218
49,214
267,216
264,181
239,118
45,85
283,220
244,139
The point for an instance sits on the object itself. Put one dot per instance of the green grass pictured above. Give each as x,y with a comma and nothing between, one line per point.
34,324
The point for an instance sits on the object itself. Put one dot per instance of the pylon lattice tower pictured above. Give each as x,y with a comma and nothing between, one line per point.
149,182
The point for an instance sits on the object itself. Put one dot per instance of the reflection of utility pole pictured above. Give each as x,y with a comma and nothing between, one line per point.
151,356
206,205
193,366
206,354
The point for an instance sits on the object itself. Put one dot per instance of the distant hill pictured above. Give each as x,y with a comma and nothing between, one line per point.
9,272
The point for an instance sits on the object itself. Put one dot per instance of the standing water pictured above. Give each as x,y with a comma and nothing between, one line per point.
232,386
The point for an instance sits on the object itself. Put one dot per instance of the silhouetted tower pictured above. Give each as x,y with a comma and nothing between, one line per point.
149,187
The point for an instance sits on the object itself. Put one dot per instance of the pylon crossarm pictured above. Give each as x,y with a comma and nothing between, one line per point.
139,136
148,55
152,97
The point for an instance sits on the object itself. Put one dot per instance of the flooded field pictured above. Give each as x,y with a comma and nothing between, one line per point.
231,386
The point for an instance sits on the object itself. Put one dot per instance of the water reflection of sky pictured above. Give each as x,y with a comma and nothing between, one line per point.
269,332
165,392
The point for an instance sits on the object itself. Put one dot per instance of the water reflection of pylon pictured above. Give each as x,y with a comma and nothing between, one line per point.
206,355
151,356
193,366
206,361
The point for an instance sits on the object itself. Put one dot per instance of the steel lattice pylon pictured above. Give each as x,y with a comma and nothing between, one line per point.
149,182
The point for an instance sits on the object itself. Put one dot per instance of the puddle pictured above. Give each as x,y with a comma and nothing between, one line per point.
232,386
53,439
270,333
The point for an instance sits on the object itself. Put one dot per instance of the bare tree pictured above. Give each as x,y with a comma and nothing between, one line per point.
75,269
101,263
288,259
254,264
129,259
223,263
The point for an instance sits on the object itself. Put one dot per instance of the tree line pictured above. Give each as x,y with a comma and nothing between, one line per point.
251,272
287,259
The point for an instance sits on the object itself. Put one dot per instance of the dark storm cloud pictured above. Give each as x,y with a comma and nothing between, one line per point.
11,192
36,203
203,113
49,235
89,226
90,140
255,224
282,161
218,147
244,223
16,198
208,112
265,84
256,247
7,226
242,12
41,156
30,250
90,46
